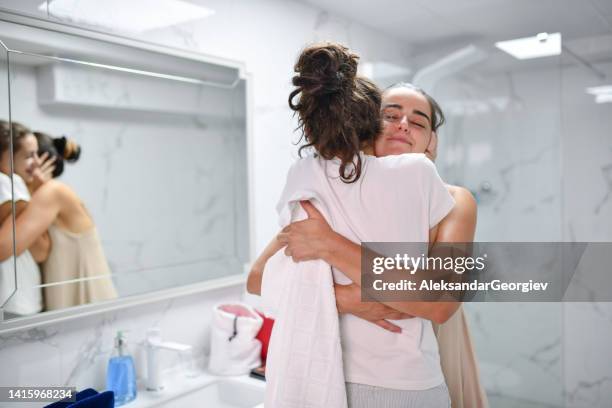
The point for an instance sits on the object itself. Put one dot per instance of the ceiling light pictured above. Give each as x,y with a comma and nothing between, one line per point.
603,94
127,16
542,45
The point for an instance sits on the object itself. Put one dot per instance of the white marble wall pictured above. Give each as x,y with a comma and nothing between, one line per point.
543,146
508,136
587,216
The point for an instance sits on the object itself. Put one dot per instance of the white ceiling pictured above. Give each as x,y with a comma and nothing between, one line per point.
423,24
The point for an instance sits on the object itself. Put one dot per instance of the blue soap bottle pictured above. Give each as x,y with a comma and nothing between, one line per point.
121,375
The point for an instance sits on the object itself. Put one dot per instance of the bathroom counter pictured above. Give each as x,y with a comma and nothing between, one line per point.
180,390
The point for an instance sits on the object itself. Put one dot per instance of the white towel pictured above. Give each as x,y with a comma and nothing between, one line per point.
304,363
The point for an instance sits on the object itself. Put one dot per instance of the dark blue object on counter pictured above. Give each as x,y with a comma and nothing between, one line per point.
104,399
88,398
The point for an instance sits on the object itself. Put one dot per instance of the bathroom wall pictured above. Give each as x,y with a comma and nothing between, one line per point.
502,141
267,35
535,149
586,157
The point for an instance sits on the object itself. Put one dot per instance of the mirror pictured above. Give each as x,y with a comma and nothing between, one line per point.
153,148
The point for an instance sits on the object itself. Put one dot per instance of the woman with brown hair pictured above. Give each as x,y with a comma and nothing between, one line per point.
339,114
411,119
19,296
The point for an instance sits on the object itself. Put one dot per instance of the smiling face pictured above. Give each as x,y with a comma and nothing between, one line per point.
406,117
24,159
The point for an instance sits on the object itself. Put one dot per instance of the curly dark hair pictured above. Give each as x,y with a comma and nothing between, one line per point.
339,112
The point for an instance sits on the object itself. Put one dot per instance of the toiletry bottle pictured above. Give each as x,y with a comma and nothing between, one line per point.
121,376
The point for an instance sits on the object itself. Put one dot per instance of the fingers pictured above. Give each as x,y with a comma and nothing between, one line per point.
388,326
48,166
43,157
49,161
294,257
311,210
283,237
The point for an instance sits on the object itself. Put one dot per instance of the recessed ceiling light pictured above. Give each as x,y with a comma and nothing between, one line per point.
603,94
542,45
128,16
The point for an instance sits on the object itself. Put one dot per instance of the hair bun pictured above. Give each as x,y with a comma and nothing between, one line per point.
325,69
67,148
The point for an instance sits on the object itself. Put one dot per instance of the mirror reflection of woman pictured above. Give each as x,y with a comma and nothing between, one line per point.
27,299
76,253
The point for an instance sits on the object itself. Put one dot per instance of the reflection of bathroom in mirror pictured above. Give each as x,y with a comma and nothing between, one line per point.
157,197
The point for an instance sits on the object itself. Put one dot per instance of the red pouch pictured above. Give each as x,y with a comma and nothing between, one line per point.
264,335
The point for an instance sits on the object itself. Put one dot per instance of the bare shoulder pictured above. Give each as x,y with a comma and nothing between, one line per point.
464,199
51,190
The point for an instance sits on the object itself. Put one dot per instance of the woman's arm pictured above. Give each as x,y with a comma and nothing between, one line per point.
257,269
314,239
41,247
346,302
460,224
39,214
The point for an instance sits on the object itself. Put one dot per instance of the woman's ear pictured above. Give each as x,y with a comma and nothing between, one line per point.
432,148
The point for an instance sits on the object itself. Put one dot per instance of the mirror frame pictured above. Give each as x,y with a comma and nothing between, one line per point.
56,316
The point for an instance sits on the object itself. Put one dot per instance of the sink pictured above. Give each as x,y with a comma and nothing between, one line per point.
202,390
220,394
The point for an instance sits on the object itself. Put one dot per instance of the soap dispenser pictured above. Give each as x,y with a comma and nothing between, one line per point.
121,375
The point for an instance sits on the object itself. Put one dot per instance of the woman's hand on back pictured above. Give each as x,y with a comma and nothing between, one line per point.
308,239
348,300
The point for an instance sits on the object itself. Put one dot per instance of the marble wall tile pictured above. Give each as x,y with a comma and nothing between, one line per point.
587,186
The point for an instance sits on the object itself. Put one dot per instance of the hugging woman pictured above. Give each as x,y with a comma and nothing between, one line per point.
339,114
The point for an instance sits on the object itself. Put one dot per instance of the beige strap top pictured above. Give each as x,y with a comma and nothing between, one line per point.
76,256
459,363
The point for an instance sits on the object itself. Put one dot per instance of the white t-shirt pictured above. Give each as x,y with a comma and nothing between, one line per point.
28,298
397,199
